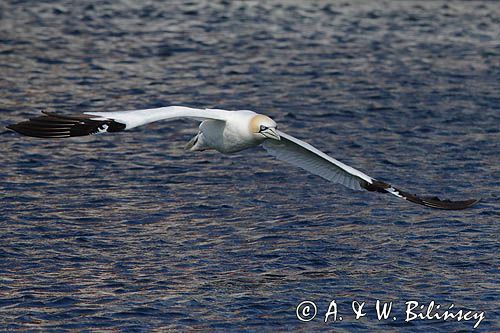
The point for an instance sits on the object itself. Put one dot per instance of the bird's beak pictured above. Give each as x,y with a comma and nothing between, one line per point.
271,133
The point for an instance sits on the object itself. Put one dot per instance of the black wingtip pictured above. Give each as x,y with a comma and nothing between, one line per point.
53,126
12,127
435,202
432,202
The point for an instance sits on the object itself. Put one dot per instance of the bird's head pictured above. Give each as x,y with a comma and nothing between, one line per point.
264,127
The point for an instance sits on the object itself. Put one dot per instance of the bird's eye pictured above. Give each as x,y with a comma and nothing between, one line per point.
263,128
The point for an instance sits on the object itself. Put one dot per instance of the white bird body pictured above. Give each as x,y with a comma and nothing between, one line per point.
223,136
229,136
226,132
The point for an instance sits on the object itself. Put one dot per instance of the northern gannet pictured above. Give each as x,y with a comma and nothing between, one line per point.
226,132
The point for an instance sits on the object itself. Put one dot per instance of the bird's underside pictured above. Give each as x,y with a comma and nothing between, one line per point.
279,144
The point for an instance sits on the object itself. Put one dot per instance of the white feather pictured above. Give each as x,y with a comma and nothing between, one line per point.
136,118
305,156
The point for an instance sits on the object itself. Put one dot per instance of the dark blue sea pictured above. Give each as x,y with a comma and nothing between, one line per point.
130,233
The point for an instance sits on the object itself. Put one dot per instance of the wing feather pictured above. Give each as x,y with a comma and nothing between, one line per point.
307,157
136,118
52,125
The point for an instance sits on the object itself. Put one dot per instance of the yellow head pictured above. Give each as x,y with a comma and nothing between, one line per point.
264,127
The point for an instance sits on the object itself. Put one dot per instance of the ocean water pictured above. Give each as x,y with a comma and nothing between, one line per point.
129,232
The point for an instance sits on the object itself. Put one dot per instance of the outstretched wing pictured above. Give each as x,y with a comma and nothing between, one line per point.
305,156
51,125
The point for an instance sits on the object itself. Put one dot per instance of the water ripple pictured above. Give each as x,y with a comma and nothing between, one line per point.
130,232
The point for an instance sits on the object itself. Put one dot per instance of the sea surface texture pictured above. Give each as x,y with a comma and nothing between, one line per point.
129,232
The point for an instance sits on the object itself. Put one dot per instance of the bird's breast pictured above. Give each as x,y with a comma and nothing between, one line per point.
226,137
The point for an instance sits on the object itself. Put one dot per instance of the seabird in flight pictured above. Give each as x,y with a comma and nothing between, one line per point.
226,132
